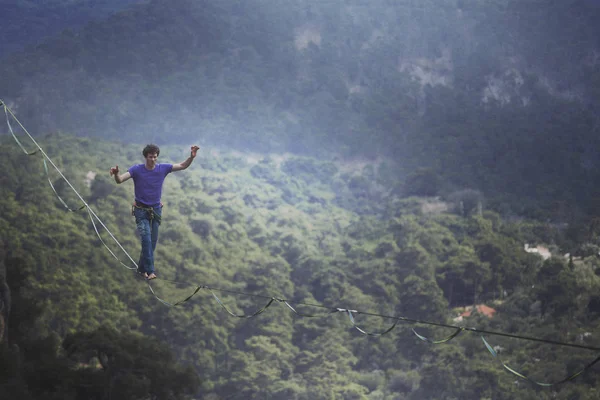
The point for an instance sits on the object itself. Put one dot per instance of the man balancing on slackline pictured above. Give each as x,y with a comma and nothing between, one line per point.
148,179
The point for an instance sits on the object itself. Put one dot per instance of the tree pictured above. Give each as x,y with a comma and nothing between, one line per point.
5,300
422,182
126,366
463,277
556,287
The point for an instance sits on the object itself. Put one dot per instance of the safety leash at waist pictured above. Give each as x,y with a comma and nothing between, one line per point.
149,210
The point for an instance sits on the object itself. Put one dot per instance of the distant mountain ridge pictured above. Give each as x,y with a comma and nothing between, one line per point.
27,23
488,94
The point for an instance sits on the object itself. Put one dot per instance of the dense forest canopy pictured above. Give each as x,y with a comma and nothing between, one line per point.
299,228
397,157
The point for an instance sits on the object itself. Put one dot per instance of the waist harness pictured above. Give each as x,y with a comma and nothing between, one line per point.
149,210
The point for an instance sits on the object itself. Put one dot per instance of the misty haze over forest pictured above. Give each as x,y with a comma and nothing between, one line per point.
490,94
397,155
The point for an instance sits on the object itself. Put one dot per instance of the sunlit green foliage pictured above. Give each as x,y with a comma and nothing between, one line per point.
237,223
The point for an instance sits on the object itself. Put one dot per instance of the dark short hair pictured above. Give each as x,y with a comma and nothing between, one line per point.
151,149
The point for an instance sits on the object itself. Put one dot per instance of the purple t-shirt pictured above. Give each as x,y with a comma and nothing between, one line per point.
148,183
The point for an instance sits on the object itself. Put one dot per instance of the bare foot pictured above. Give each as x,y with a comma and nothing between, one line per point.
151,276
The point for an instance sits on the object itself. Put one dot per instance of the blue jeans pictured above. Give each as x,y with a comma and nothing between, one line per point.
147,225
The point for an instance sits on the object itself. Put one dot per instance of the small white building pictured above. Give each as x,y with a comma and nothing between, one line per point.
540,250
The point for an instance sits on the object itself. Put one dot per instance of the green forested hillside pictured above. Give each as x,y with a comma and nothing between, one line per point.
496,96
320,231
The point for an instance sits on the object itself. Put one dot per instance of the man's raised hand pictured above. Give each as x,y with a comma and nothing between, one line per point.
114,170
194,150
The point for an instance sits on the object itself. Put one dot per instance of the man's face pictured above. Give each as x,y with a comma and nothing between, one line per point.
151,159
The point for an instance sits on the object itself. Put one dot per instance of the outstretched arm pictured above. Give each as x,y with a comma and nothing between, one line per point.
188,161
119,178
